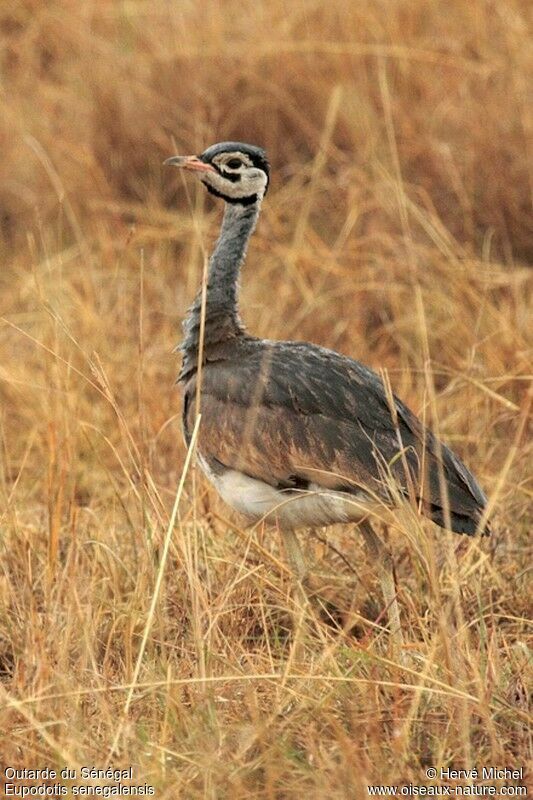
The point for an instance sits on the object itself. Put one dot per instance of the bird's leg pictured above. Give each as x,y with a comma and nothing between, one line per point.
298,565
307,585
385,566
294,554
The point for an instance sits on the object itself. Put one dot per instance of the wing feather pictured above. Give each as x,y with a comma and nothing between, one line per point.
277,411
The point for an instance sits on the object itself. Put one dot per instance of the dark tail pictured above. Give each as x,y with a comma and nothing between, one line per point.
460,523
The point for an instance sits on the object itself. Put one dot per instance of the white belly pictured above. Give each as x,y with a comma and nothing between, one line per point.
313,507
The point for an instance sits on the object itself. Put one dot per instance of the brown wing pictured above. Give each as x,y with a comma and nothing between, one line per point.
290,412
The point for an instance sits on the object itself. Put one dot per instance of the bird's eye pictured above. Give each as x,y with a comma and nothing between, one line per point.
234,163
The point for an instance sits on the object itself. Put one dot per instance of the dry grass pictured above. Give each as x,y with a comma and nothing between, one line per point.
395,230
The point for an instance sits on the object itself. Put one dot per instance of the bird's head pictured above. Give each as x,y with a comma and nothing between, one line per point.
236,172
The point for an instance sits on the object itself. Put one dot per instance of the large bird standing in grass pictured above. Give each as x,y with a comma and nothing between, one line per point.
293,433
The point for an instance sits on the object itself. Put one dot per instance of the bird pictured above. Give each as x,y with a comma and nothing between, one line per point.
292,433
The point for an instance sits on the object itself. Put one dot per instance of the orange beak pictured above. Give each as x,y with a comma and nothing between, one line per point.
192,163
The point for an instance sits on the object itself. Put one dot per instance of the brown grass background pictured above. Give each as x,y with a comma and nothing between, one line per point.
396,230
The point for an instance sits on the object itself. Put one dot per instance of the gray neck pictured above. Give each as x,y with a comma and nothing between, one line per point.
222,320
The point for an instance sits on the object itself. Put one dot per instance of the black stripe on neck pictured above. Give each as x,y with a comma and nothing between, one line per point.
243,201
